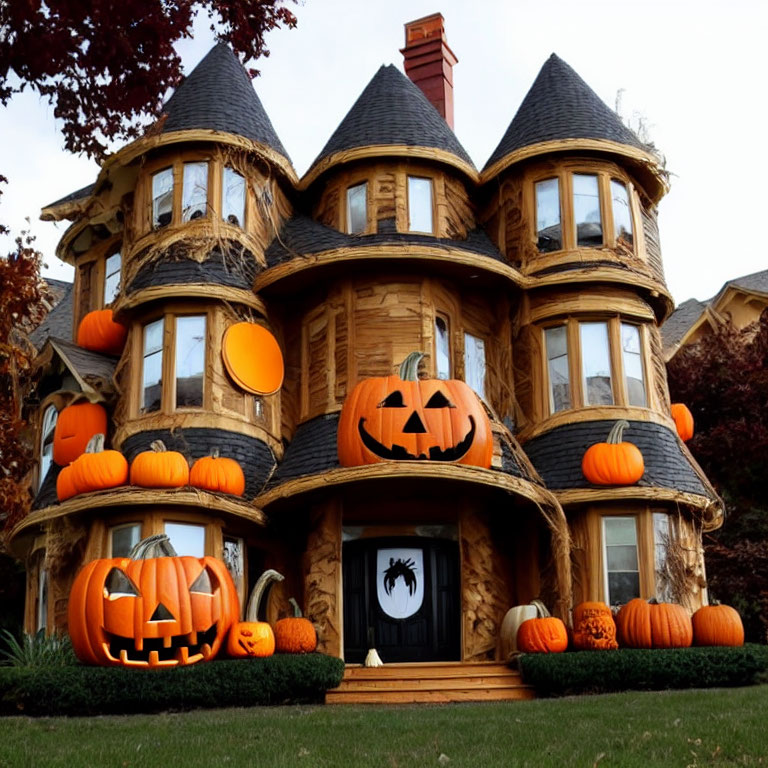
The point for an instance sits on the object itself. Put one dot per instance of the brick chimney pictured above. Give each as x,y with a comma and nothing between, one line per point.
429,62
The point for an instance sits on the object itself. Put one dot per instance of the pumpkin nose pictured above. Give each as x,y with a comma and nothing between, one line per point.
414,424
162,614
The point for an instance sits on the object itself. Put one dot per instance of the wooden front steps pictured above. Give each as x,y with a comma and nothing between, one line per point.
433,682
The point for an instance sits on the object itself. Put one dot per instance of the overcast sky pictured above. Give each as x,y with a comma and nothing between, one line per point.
694,70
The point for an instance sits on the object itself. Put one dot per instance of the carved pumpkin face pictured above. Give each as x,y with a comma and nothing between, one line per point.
399,418
593,627
155,612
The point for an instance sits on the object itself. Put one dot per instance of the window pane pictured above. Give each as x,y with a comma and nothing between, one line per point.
621,564
621,558
162,198
623,586
620,531
556,341
474,363
596,364
419,204
190,360
548,229
233,197
123,538
111,277
47,430
194,200
233,556
622,214
442,349
586,210
42,597
152,370
633,364
357,210
186,539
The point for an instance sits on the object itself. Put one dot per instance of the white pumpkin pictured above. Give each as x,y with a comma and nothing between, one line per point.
513,618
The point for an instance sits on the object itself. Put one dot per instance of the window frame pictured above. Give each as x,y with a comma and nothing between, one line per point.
446,320
432,212
619,387
467,334
347,228
604,554
48,408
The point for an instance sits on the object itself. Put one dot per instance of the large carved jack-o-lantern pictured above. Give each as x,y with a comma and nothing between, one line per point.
402,418
152,608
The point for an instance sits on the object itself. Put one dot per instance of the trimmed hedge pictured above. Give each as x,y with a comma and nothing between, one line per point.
560,674
81,690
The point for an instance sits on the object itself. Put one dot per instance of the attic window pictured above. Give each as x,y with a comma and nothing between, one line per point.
357,209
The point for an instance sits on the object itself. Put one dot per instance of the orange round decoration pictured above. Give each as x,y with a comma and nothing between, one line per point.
158,468
717,625
217,473
547,635
404,418
100,333
94,470
683,421
253,358
76,425
613,462
641,624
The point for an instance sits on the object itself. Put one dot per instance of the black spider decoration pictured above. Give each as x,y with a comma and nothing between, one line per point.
398,568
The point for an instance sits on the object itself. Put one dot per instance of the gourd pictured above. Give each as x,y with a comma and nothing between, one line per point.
643,624
613,462
683,421
593,627
217,473
542,635
159,468
99,332
295,634
717,625
511,622
75,426
254,638
94,470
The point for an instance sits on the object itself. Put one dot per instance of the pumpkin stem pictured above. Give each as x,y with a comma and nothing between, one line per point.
270,575
215,453
95,444
409,368
541,609
158,545
615,436
158,446
297,614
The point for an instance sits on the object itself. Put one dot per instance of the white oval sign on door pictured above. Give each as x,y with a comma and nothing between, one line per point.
400,581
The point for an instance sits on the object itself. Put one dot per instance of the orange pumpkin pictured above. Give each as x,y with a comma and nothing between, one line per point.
396,418
642,624
159,468
217,473
593,627
543,635
100,333
613,462
75,426
295,634
717,625
94,470
683,421
254,638
152,608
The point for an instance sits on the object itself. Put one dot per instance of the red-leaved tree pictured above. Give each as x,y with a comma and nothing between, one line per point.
723,379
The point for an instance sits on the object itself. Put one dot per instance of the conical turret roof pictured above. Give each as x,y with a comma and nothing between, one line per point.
560,105
392,111
218,95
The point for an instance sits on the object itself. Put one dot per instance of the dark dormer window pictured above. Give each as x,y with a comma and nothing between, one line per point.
233,197
420,204
357,208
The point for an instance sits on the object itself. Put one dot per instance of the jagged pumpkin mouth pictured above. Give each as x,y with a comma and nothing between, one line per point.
399,453
174,649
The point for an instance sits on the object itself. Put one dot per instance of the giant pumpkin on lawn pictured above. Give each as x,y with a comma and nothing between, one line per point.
402,418
152,608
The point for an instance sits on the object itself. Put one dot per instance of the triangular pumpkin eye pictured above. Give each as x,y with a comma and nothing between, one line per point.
202,584
117,584
393,400
439,400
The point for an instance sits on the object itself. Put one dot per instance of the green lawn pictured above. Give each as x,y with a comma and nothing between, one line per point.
671,728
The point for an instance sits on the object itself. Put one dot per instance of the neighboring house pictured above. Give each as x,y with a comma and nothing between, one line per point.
538,281
740,301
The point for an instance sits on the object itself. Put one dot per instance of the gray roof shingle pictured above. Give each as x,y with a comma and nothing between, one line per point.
391,110
680,321
560,105
58,322
218,95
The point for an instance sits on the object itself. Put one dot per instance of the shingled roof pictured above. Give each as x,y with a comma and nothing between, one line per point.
560,105
392,111
218,95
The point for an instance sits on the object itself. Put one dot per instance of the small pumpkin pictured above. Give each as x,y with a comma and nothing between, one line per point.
254,638
99,332
295,634
717,625
513,618
644,624
403,418
543,635
683,421
613,462
152,608
593,627
75,426
94,470
159,468
217,473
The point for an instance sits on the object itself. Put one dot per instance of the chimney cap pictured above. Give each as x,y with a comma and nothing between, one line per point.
425,28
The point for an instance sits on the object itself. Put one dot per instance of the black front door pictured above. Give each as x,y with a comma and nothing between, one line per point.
401,596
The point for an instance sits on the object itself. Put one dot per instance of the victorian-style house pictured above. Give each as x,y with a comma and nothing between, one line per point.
536,281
